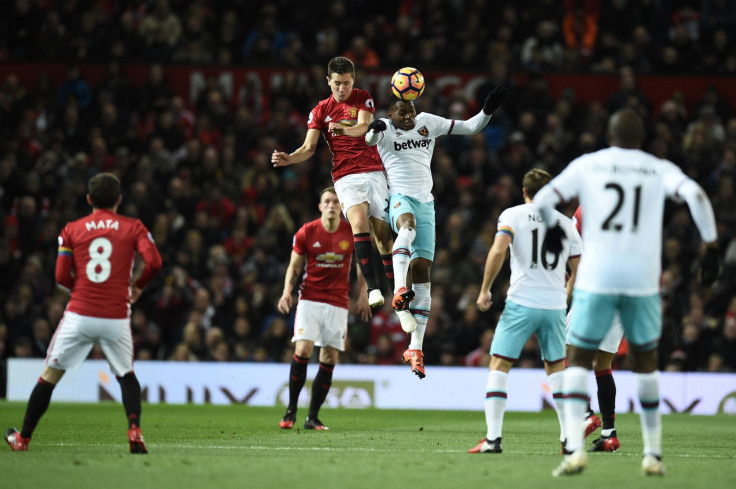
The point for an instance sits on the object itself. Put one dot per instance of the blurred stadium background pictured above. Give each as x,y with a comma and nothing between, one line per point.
186,100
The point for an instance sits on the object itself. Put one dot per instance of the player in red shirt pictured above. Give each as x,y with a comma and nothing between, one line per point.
322,313
357,171
95,262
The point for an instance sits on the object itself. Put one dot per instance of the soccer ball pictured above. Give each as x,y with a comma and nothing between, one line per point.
407,83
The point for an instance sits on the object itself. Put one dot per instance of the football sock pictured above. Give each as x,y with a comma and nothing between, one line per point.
297,377
37,405
495,404
363,251
647,386
606,397
401,256
555,384
575,388
131,391
388,268
320,388
419,307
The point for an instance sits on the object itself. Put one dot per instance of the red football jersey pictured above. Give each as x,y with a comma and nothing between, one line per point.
329,256
95,261
350,155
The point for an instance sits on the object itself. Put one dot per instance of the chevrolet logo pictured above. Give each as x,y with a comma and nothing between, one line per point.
330,257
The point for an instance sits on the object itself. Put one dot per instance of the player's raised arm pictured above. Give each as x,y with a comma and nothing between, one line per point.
296,263
480,120
303,153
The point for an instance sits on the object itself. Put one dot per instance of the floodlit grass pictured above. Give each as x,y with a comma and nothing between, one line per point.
84,445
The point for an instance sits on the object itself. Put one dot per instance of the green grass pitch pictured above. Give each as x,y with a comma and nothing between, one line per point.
84,445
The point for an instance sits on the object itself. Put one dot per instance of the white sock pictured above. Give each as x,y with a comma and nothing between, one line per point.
575,388
495,403
401,256
647,386
555,384
420,308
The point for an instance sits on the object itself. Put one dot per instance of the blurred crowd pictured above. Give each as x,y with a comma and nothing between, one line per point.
197,170
663,36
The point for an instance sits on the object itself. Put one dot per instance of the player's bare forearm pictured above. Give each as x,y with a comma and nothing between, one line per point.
279,158
494,262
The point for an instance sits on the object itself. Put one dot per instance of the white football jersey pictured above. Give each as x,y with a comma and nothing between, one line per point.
407,155
537,276
622,194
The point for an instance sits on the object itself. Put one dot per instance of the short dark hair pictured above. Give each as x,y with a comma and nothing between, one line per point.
330,189
626,129
534,180
340,65
393,100
104,190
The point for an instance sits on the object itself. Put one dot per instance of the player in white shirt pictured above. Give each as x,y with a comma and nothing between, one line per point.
405,143
622,192
536,302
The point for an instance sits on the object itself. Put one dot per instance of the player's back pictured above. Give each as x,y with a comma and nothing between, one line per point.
102,246
622,193
537,276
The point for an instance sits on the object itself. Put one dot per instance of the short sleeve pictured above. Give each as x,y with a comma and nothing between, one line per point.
366,102
300,242
505,226
314,121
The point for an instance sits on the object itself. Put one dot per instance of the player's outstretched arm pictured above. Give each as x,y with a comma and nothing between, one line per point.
495,99
303,153
480,120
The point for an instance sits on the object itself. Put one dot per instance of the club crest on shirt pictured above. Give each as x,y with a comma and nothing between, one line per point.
353,112
423,131
344,245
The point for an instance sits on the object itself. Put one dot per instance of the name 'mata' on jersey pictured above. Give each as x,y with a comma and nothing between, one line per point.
100,251
622,193
329,255
407,155
537,276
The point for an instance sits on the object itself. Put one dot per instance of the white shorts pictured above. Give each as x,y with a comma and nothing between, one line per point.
613,338
368,187
324,324
76,335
